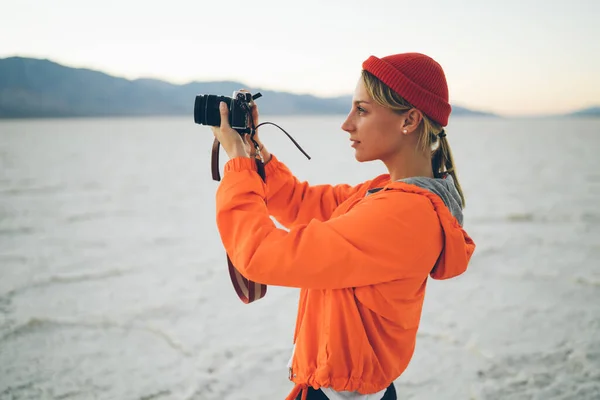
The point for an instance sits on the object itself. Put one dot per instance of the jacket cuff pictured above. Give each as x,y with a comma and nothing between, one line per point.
273,165
240,164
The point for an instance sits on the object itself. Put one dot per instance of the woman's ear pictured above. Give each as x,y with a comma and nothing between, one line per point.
412,120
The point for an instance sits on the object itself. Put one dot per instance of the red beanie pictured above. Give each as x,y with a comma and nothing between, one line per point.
419,79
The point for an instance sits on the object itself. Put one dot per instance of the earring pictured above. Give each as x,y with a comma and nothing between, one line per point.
405,131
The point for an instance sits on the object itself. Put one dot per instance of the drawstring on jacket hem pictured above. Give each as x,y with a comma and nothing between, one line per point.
299,388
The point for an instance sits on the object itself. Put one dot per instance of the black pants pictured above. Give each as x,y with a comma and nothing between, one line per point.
390,394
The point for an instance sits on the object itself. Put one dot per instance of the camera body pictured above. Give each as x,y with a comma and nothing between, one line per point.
206,110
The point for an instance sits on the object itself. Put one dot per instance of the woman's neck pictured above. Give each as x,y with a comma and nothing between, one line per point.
407,164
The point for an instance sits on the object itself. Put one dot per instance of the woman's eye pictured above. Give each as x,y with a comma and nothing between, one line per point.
360,109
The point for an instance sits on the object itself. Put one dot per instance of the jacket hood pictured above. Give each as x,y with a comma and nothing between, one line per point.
445,189
458,245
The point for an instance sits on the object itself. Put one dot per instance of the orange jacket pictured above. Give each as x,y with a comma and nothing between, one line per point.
361,262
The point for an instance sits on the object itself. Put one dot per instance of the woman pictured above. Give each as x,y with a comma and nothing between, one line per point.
360,254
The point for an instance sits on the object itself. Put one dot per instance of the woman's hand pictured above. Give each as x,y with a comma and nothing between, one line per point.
250,148
249,144
232,142
230,139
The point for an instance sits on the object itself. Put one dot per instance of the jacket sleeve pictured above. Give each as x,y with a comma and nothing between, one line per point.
385,237
293,202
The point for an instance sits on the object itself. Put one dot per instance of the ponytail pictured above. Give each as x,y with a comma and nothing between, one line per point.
442,163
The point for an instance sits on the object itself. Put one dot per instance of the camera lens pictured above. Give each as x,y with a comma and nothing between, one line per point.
206,109
199,106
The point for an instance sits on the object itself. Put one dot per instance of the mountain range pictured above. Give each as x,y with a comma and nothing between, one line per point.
38,88
586,112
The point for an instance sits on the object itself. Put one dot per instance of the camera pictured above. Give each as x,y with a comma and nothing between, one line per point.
206,110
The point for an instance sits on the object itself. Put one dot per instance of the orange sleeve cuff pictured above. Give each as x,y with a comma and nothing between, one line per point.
240,164
246,163
272,166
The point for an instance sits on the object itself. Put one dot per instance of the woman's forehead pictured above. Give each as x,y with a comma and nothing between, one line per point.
360,92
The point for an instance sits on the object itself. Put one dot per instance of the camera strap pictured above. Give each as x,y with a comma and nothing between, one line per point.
247,290
214,160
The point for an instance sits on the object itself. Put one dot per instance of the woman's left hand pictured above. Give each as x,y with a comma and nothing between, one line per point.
230,139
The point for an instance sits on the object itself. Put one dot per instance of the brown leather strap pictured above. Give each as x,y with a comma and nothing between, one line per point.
247,290
214,160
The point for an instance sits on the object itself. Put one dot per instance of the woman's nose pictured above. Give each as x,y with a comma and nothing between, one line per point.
347,125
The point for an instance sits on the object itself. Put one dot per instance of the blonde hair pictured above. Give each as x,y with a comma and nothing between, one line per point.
442,161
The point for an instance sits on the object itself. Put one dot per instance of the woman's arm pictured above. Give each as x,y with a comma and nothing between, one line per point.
292,202
386,237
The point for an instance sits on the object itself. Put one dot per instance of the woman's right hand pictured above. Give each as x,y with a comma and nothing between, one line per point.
249,143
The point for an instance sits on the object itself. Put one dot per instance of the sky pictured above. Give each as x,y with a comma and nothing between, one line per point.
513,57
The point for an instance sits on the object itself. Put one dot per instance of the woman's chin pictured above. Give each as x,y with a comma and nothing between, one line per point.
361,156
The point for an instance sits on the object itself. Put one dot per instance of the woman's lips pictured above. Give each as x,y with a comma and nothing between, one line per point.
354,142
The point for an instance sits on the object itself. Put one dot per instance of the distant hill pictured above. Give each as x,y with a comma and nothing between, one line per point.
586,112
33,88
